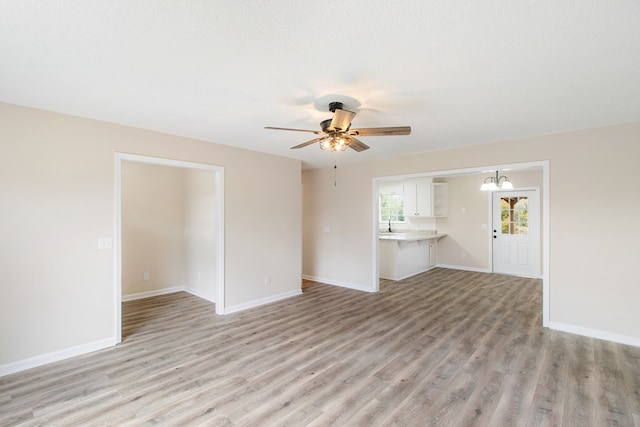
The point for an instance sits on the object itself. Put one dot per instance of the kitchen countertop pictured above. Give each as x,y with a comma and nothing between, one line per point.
409,236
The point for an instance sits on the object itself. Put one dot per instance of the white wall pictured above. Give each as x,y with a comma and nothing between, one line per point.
593,223
57,186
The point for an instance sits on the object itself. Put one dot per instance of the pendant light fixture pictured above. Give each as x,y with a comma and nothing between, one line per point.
496,183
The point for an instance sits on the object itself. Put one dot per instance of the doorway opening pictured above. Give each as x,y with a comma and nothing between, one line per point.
541,166
215,187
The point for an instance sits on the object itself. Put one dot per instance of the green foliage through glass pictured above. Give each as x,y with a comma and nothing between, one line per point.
391,208
515,215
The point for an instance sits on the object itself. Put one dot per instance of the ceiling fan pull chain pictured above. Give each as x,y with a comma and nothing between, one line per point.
335,173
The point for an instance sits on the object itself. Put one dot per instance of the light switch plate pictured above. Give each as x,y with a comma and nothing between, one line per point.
105,243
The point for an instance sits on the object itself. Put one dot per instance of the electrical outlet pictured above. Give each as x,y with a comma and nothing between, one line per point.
146,276
267,280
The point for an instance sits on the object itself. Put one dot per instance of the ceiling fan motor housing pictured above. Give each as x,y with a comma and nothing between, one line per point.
325,125
333,106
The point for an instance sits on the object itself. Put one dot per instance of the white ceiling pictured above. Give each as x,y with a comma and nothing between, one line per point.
458,72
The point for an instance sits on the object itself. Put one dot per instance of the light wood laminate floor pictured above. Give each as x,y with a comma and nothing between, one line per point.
444,348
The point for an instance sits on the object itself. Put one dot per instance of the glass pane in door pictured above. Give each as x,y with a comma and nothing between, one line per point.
514,212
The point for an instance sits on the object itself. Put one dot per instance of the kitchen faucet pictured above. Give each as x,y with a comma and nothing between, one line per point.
389,225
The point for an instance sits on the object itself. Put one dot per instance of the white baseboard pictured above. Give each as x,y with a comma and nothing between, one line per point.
55,356
595,333
44,359
203,295
461,267
263,301
338,283
155,293
484,270
408,275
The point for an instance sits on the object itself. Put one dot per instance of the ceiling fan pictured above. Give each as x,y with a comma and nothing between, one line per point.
337,135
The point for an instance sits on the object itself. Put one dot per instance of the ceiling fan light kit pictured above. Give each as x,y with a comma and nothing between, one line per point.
337,134
334,143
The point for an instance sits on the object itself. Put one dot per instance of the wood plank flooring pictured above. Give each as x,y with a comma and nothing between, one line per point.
444,348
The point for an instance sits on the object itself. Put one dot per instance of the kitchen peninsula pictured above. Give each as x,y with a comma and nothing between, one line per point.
403,255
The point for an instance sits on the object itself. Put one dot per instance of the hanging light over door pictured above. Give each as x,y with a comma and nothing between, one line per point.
496,183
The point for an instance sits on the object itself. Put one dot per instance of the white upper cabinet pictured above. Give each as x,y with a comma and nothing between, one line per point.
425,199
417,199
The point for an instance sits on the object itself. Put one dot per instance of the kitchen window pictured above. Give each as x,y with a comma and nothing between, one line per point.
391,208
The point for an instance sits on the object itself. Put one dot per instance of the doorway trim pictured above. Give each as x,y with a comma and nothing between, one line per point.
218,172
544,219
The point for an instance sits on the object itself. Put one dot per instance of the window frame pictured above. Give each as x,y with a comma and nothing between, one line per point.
396,213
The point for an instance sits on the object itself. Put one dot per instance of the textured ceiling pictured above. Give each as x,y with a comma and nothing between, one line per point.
458,72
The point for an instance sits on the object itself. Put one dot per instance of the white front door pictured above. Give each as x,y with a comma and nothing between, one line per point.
516,233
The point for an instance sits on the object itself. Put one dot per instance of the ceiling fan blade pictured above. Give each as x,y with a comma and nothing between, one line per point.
397,130
304,144
341,120
317,132
357,145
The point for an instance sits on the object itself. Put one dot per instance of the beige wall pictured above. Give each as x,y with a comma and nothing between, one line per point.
199,233
153,223
57,186
337,226
467,244
593,220
168,229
